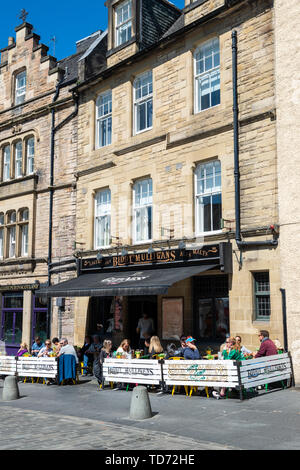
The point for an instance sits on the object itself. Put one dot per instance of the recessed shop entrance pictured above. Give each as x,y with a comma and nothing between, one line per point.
211,308
137,305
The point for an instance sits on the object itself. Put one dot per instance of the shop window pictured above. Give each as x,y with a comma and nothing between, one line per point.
12,318
208,197
102,218
262,296
123,22
20,87
142,208
143,102
207,75
104,119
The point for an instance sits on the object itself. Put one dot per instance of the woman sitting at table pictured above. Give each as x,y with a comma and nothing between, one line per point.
23,349
104,354
125,349
232,352
155,347
46,350
243,349
191,352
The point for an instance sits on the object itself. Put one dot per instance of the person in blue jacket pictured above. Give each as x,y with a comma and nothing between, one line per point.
191,352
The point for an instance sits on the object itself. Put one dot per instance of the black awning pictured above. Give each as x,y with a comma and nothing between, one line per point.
134,282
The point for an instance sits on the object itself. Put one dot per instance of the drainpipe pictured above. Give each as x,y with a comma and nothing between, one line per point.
284,321
54,129
241,244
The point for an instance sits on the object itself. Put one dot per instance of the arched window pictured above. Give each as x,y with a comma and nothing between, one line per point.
11,233
20,87
6,163
18,149
30,154
1,235
23,228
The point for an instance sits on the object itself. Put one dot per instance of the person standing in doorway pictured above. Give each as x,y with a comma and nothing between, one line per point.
145,328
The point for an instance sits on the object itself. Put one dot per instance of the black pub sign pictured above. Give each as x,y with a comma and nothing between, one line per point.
219,252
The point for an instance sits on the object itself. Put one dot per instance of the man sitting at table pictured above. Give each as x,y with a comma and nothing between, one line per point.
191,352
67,349
37,346
267,347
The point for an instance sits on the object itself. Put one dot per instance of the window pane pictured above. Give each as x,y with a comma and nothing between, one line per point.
217,211
24,240
30,156
102,218
1,242
20,87
18,160
6,169
12,242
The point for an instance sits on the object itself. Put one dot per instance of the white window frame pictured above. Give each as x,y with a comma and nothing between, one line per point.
125,23
18,151
6,162
1,235
24,232
142,207
104,118
207,73
215,190
12,234
145,99
20,89
30,155
102,201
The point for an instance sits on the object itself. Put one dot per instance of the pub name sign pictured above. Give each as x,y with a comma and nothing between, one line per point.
207,252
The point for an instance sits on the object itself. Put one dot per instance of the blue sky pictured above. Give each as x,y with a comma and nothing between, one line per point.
67,21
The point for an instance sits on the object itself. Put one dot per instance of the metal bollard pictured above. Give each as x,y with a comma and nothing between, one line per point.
10,389
140,407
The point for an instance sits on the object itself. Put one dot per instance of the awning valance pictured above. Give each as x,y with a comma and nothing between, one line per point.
129,282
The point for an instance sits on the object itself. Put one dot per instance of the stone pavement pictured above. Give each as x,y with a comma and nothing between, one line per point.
82,417
68,433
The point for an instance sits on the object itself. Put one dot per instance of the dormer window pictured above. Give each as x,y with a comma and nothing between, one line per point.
123,22
20,89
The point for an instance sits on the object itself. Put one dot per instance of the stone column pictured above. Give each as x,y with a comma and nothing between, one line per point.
27,317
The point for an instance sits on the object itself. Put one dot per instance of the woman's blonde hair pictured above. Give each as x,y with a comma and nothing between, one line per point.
106,343
124,342
23,346
155,345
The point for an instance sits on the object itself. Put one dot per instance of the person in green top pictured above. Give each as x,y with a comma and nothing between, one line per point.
232,351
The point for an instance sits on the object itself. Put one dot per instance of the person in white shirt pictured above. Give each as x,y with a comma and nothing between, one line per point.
67,349
145,329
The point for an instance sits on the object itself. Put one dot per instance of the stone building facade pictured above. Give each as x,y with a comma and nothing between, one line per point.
35,97
155,122
287,57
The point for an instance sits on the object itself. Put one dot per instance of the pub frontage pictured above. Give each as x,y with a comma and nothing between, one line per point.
184,291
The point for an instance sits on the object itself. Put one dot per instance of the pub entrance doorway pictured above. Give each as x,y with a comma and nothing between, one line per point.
137,305
211,309
100,311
